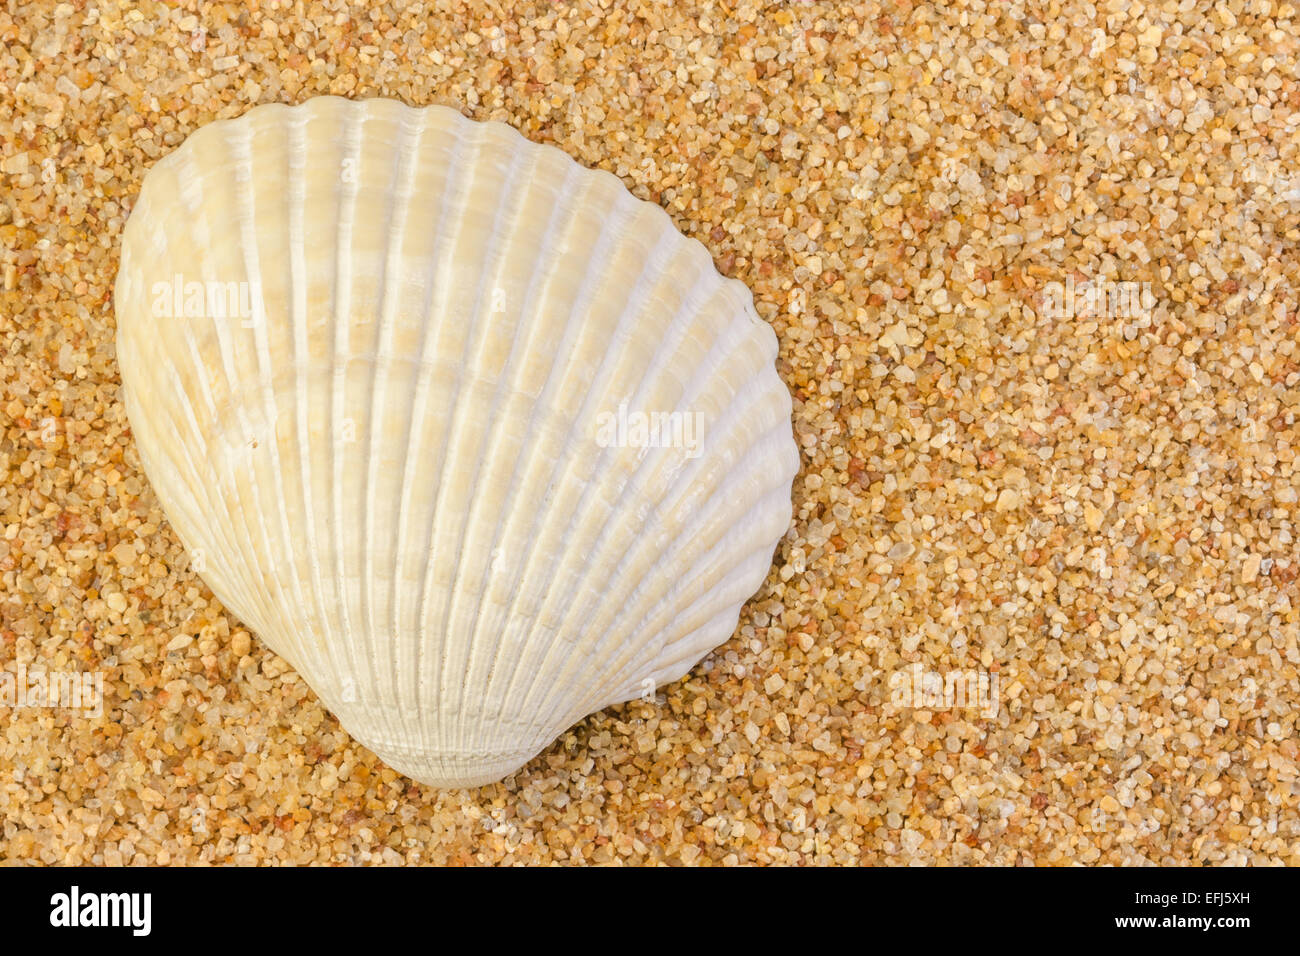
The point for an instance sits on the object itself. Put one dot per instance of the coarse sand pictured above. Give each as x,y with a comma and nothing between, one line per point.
1033,270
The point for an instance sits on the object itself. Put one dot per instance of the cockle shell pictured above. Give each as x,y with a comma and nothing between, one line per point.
394,376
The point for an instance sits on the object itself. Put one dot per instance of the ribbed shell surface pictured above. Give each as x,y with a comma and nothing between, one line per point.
367,351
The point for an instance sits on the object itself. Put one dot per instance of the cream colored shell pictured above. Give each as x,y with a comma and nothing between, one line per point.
384,367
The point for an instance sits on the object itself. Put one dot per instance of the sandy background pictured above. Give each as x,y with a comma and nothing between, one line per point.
1096,509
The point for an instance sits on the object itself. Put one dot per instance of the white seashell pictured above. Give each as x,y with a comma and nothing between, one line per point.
394,450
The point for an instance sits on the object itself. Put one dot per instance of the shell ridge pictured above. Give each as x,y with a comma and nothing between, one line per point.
178,413
541,264
723,522
224,531
341,301
683,551
182,405
241,149
504,213
187,518
429,337
689,309
635,480
652,270
468,138
395,216
432,674
739,582
296,156
691,593
524,662
706,572
411,726
709,636
254,609
576,186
